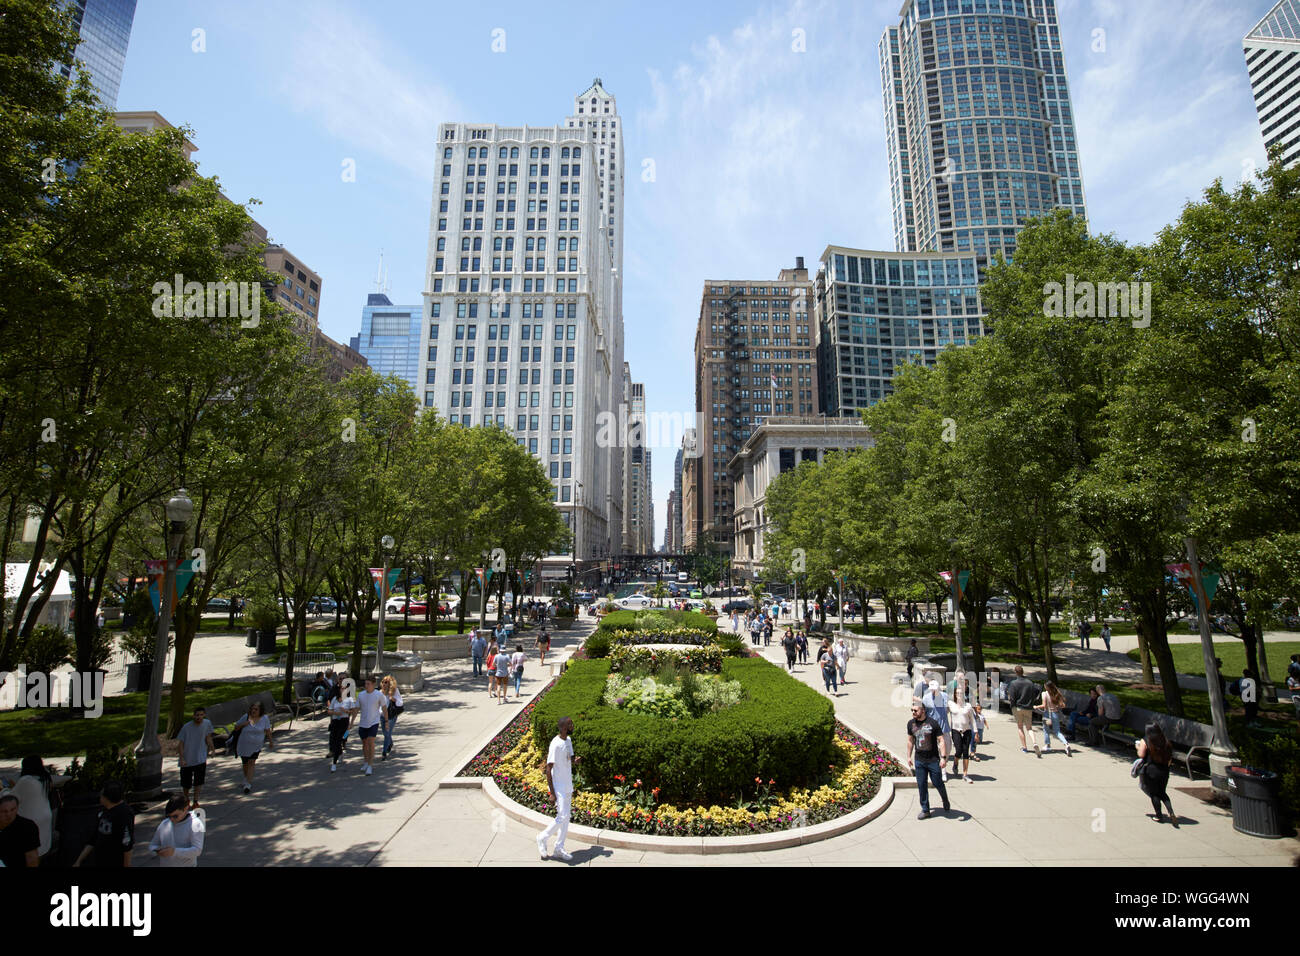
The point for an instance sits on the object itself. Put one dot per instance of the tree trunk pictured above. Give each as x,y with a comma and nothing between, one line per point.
1045,635
180,676
1021,646
1144,652
464,600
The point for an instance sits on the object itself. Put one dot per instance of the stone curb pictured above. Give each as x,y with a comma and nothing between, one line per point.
759,842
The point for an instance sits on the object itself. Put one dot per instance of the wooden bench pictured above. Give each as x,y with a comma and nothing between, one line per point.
224,714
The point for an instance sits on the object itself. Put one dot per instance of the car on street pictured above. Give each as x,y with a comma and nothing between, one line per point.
218,604
696,593
634,602
322,605
740,604
683,577
395,605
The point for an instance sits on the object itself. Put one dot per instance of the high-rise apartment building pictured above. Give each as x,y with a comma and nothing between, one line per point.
1273,61
522,321
105,30
979,127
877,311
390,338
675,513
638,519
754,357
670,526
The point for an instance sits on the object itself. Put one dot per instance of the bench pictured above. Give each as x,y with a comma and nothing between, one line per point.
1189,739
224,714
303,701
304,661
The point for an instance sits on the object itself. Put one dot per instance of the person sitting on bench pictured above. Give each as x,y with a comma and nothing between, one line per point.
1083,717
1108,712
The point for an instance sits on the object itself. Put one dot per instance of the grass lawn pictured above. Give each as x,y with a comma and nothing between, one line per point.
332,639
57,731
1188,659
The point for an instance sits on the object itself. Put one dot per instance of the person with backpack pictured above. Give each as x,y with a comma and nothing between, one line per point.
491,668
791,646
503,675
1152,770
517,667
826,659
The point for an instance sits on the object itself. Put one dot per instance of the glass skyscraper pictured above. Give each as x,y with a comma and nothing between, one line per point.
1273,61
390,338
105,28
978,124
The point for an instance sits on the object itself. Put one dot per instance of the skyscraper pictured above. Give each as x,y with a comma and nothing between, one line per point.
1273,61
978,124
105,29
523,325
390,338
754,357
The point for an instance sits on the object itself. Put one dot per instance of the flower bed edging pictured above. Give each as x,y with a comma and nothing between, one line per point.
618,839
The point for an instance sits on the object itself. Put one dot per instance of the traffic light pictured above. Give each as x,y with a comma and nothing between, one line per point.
573,573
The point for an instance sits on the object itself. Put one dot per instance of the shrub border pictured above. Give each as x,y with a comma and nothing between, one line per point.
619,839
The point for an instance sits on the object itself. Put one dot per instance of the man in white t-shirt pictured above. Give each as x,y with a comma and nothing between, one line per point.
559,777
371,703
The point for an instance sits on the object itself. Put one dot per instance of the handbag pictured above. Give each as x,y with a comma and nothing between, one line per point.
394,709
1136,769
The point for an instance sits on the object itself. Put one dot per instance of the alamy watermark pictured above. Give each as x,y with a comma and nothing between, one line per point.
1099,300
210,300
83,689
650,430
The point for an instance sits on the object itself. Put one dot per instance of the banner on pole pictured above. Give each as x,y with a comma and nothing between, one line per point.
157,571
1210,576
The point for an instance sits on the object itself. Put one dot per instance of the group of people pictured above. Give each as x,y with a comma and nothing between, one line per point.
493,659
26,825
373,710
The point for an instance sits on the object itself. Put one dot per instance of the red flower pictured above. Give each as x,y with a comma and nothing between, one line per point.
758,779
638,783
771,782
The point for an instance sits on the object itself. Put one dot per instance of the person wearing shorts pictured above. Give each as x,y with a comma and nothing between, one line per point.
371,703
517,666
503,675
544,643
1024,695
195,740
256,733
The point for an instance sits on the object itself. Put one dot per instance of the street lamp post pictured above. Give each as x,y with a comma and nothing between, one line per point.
1222,753
148,753
386,543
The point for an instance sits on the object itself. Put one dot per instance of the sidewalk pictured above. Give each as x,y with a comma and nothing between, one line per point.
1020,811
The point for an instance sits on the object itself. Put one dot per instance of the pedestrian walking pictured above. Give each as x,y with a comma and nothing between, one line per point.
342,710
491,661
114,832
1105,635
1024,695
32,788
829,672
912,652
1053,705
196,746
1085,630
791,646
1152,770
841,652
767,631
977,731
801,637
544,643
559,778
477,649
926,744
517,667
935,702
391,712
371,704
961,721
254,730
178,841
503,675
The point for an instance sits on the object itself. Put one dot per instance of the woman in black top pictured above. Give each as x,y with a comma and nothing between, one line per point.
1155,754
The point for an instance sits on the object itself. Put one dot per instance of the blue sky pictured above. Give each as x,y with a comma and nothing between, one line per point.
760,152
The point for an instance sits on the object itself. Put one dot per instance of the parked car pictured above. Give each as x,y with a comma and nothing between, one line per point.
683,577
322,605
395,605
218,604
696,593
418,606
741,604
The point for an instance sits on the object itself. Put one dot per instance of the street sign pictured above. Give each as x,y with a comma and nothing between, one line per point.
708,589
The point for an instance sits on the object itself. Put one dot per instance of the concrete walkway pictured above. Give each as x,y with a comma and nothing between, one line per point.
1021,810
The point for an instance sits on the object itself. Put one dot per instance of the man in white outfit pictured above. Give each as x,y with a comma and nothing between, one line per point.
178,841
559,777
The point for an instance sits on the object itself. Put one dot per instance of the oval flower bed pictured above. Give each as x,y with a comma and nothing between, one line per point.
851,781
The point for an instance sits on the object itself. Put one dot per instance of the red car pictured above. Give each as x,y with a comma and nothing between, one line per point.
418,607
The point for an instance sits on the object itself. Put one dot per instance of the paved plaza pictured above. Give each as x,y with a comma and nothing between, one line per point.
1020,810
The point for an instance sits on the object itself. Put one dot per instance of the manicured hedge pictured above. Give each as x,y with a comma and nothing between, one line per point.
626,620
782,730
702,660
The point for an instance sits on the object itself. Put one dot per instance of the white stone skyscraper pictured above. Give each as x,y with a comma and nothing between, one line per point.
523,322
1273,60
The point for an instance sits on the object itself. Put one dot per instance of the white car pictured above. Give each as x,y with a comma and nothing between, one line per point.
634,602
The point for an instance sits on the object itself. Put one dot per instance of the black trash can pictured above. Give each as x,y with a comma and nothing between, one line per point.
1254,795
252,637
266,642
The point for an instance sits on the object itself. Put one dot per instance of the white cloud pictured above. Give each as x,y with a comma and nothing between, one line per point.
344,74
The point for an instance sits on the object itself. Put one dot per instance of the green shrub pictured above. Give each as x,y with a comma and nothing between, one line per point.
141,642
102,764
674,634
634,620
46,649
732,645
597,645
781,729
703,660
